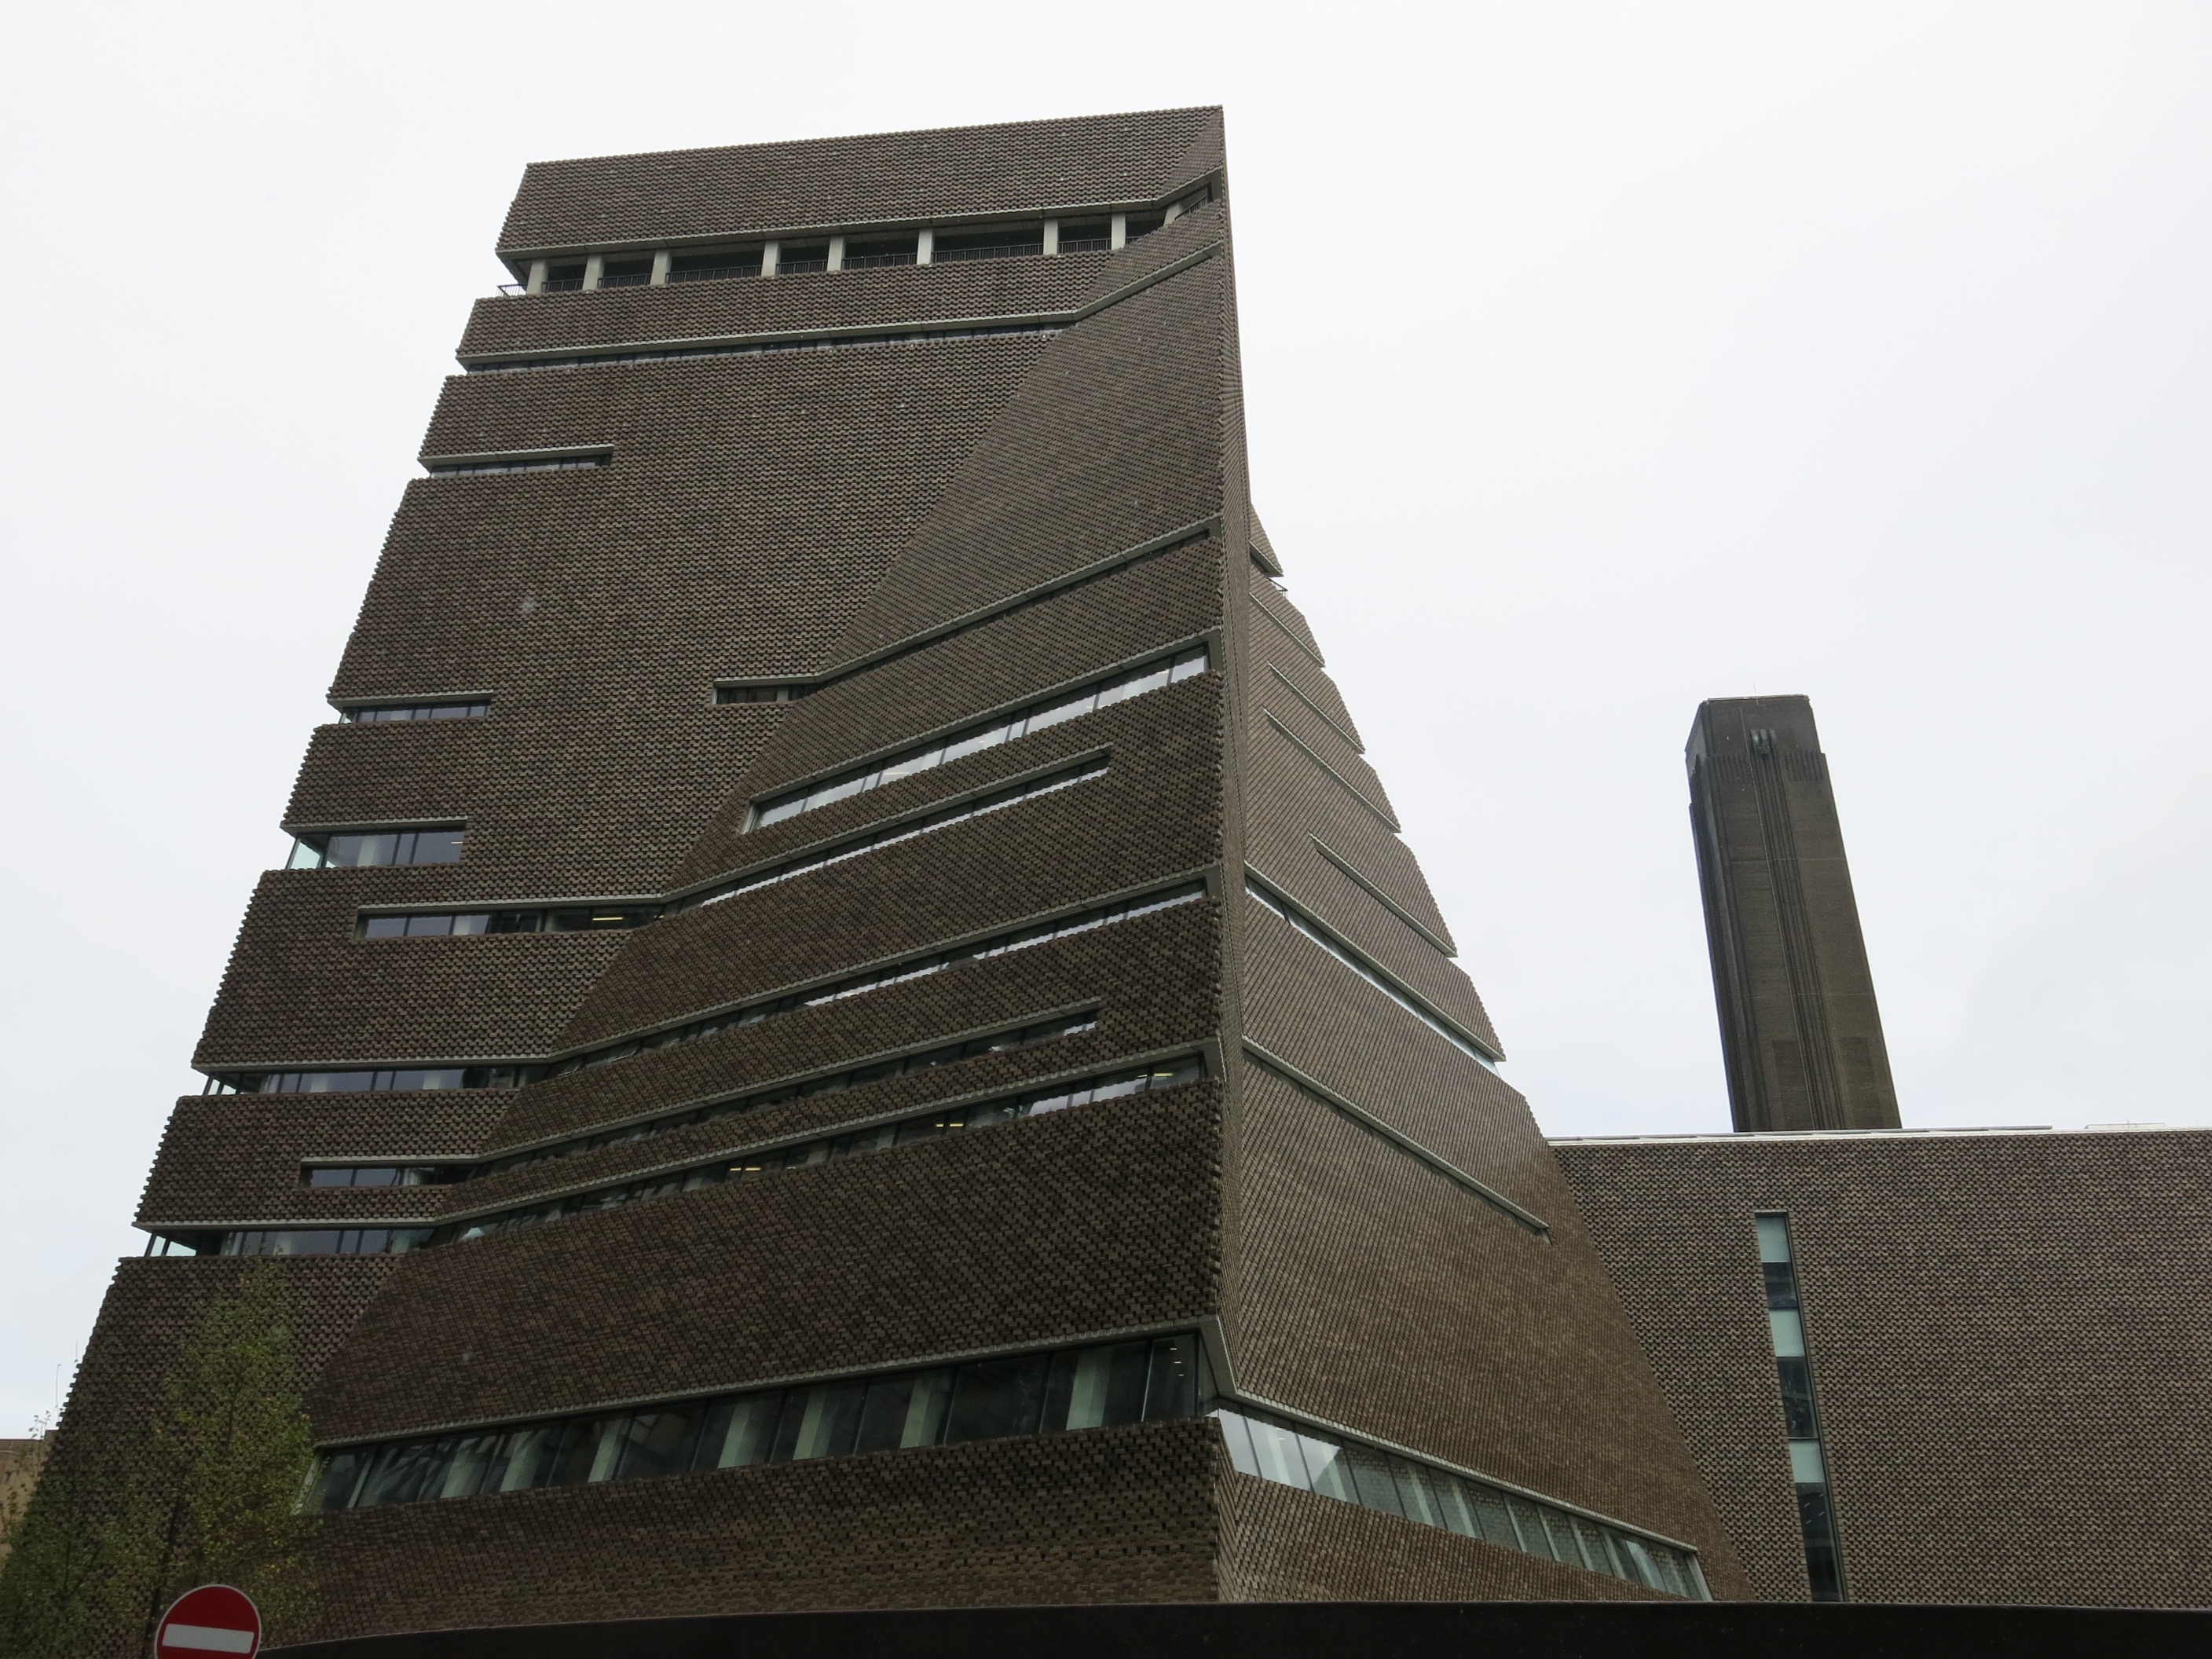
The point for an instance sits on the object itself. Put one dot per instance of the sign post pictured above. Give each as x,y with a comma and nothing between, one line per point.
211,1620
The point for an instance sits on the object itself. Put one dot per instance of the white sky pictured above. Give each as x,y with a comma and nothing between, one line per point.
1599,359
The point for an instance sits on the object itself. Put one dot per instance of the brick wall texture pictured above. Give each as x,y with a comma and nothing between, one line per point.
2008,1341
925,534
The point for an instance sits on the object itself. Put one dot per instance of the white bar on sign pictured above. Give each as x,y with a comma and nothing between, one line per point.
206,1639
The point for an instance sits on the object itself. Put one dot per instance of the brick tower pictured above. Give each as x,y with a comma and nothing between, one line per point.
848,1026
1799,1025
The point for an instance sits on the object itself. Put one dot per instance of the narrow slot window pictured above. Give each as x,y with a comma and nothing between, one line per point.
1152,676
1793,1363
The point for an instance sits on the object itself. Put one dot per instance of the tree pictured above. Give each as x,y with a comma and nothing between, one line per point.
206,1492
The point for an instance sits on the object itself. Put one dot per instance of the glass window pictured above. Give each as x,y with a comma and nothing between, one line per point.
1773,1238
883,1418
927,1408
478,1461
1496,1520
1797,1398
1237,1431
1788,1330
662,1442
739,1432
1172,1390
830,1421
371,848
1132,682
996,1397
1280,1459
1805,1467
1371,1479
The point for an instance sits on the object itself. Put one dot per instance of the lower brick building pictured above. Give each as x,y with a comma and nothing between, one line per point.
2004,1335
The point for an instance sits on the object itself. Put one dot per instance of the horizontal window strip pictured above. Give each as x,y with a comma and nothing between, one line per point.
897,973
1103,1385
1348,868
1165,671
894,973
367,1081
601,918
1337,1466
905,829
374,714
520,463
761,348
368,849
830,1148
1269,899
323,1241
905,1131
1334,777
854,1077
381,1175
1366,1120
537,919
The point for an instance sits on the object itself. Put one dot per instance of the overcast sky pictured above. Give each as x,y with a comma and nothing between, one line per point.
1599,359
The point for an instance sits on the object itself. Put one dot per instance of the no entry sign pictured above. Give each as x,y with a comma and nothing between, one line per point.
213,1618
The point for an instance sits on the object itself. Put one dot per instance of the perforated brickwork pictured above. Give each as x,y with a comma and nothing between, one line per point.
2008,1350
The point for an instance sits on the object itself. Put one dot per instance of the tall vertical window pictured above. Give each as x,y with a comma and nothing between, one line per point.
1793,1365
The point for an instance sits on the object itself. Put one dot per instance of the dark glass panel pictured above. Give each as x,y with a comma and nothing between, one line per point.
661,1442
575,1449
789,1421
1172,1389
1797,1398
404,1473
438,846
1822,1570
1060,1389
739,1431
1781,1284
1127,1369
832,1420
477,1463
385,928
883,1420
996,1397
1144,224
341,1473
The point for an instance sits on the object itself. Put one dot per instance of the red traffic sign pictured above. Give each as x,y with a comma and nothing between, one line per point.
213,1618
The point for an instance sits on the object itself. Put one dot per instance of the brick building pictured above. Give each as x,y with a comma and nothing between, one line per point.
847,1025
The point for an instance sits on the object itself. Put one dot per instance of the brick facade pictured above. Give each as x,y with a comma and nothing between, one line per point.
923,530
